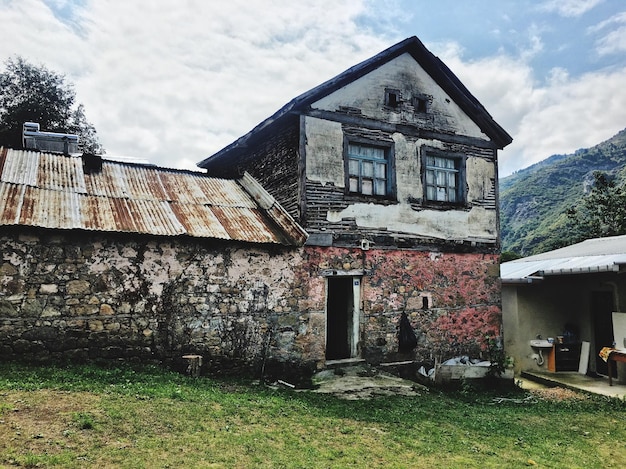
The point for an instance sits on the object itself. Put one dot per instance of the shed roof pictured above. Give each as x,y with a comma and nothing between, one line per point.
439,71
590,256
56,191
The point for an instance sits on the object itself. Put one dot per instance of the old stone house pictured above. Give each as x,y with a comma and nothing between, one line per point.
110,260
369,196
391,168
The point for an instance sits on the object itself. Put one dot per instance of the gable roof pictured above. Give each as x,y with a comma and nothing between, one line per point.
61,192
590,256
440,73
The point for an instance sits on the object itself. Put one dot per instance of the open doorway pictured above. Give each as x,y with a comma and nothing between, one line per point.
602,312
342,317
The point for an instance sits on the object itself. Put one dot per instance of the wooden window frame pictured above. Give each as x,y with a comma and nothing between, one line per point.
458,172
421,103
388,151
393,98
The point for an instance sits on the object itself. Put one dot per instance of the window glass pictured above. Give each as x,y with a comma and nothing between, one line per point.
442,178
368,168
380,187
353,166
354,184
366,187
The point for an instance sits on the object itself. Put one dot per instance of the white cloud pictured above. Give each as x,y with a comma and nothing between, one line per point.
614,39
570,8
175,82
559,116
172,81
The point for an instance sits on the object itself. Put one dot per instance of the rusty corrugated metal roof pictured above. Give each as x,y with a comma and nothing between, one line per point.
54,191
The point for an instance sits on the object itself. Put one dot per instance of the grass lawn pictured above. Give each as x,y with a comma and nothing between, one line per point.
83,417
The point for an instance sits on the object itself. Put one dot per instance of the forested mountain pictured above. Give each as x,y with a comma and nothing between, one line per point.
534,201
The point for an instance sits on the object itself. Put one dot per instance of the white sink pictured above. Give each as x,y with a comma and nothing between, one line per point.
540,343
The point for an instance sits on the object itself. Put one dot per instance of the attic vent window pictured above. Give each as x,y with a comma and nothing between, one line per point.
392,98
420,104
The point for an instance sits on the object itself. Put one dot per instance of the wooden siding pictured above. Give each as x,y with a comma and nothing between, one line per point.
273,162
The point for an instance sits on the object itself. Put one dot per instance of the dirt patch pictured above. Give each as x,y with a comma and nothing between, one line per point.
42,421
558,394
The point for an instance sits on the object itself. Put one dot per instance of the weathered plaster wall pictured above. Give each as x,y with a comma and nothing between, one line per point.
476,221
462,291
408,77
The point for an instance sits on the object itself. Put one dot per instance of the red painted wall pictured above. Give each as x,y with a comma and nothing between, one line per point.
462,291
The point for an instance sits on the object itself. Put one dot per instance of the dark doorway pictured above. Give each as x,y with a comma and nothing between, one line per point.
602,312
339,318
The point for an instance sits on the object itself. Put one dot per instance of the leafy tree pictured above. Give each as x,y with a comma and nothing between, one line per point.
602,213
30,93
509,256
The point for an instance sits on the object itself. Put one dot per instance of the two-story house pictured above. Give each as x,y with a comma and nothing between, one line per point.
371,196
391,167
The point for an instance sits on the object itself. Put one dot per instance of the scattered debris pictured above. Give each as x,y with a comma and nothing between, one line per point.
359,383
286,384
558,394
525,400
456,361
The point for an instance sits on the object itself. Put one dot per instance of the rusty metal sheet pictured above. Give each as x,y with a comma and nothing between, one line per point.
244,224
154,217
140,183
61,174
53,191
20,167
199,221
49,209
295,233
98,214
10,202
201,189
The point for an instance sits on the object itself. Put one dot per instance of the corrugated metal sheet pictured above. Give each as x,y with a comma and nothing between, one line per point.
590,256
53,191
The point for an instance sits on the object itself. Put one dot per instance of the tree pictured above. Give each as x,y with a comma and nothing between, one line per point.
602,212
30,93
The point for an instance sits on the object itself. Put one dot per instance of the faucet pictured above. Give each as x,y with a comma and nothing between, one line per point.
538,336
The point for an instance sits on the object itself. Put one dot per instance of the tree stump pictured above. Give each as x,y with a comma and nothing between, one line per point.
195,362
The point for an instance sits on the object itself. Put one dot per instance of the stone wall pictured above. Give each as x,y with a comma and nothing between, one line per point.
82,296
453,300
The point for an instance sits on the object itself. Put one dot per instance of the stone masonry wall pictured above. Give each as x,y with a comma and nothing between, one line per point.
82,296
453,300
86,297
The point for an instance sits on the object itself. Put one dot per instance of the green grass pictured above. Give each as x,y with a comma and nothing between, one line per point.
121,417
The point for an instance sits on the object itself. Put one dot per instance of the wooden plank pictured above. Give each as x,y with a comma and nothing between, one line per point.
583,364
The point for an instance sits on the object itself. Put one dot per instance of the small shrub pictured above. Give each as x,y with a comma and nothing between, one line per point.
84,420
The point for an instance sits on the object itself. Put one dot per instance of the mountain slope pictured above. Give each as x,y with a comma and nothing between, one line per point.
533,201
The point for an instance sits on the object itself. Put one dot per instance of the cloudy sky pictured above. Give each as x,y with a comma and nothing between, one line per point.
174,82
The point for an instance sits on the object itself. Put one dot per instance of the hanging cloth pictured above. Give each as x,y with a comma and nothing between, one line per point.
406,335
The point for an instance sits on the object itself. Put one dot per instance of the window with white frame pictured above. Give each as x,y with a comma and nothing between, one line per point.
368,169
443,179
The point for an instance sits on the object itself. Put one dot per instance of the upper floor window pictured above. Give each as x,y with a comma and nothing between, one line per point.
368,169
420,104
443,178
392,97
